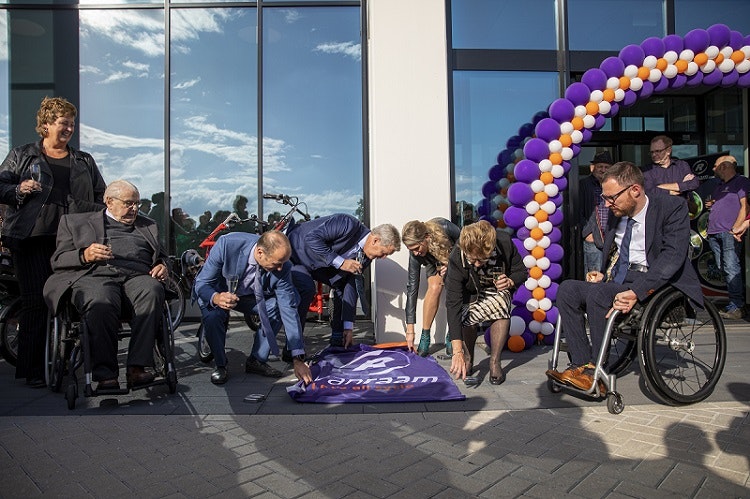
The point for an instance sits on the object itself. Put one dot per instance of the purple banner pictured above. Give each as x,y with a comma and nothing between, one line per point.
364,374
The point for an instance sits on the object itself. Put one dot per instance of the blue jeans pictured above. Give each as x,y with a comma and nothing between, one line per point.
727,253
592,257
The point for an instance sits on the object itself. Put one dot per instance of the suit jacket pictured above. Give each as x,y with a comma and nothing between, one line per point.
587,210
229,256
315,244
76,233
667,249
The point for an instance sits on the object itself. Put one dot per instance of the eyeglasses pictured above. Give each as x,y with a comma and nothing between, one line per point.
659,151
613,198
129,204
474,261
65,124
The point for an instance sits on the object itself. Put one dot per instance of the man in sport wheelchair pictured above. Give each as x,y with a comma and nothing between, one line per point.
646,248
107,260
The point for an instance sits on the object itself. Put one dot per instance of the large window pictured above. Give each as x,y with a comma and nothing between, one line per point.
611,25
699,14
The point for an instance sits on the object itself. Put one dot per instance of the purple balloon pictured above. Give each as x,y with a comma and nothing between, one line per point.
614,109
736,40
514,142
566,166
576,149
520,193
630,98
483,207
519,244
557,216
719,34
595,79
562,110
697,40
535,150
548,130
514,216
744,80
528,338
678,81
646,91
496,172
653,46
504,157
488,337
555,235
612,67
539,116
599,121
552,315
526,130
554,271
730,78
632,55
527,170
523,233
578,93
552,291
489,189
673,42
695,79
554,253
587,134
486,219
521,296
561,183
712,78
661,85
549,339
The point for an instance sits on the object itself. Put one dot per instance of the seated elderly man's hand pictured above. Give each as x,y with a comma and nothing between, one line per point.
594,276
225,300
97,253
159,272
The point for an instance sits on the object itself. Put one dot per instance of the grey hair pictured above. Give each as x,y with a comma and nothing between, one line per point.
388,235
117,187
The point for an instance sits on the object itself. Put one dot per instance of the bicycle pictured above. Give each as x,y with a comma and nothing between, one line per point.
10,309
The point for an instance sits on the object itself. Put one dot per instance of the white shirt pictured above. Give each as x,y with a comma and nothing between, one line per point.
637,253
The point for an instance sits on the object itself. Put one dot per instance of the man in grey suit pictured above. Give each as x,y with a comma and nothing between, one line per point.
106,260
651,236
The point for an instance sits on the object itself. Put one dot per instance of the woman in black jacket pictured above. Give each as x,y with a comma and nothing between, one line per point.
40,182
429,244
483,270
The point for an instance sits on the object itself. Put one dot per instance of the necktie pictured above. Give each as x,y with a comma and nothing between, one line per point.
363,259
265,322
624,259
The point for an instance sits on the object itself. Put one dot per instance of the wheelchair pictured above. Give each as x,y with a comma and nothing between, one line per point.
681,351
67,349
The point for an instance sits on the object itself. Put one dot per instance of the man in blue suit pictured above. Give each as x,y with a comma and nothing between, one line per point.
332,250
259,270
648,242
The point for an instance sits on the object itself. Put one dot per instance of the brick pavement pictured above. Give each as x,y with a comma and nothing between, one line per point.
514,440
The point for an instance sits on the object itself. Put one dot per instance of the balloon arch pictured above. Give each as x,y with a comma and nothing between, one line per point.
523,194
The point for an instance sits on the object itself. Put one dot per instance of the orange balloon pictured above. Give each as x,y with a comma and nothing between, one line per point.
624,82
547,178
541,197
504,191
538,293
643,73
701,59
535,272
502,207
539,315
501,224
661,64
577,123
681,66
537,252
592,108
566,140
719,58
516,344
609,95
556,158
536,233
540,336
541,216
511,177
738,56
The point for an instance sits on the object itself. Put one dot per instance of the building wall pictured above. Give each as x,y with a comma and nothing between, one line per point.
409,141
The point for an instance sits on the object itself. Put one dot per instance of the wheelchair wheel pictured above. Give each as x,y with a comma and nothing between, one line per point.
682,358
71,394
56,354
622,350
253,321
615,404
9,331
176,300
204,351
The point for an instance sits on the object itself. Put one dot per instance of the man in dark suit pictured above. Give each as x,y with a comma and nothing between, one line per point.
107,259
593,212
258,269
332,250
652,237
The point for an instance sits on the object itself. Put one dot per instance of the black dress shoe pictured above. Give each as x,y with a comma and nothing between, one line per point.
137,376
498,380
254,366
35,382
219,376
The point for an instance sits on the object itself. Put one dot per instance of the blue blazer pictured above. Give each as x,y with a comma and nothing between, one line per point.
229,257
315,244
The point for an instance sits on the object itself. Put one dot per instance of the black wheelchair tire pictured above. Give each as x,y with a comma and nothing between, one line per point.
9,331
204,351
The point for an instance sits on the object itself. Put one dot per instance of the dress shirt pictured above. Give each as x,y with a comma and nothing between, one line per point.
351,254
637,253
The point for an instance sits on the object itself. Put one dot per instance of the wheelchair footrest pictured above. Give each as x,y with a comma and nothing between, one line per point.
110,391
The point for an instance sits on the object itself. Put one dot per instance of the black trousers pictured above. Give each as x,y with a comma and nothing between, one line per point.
31,260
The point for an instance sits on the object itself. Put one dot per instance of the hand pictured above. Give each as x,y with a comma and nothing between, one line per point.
159,272
348,338
458,365
302,371
589,238
688,177
624,302
594,276
708,203
410,335
442,270
503,282
97,253
225,300
352,266
740,231
29,186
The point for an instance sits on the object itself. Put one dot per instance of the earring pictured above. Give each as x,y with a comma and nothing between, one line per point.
46,130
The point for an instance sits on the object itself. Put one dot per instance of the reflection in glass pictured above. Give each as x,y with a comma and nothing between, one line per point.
595,25
699,14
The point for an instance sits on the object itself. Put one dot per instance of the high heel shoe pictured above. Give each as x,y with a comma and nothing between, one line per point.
498,380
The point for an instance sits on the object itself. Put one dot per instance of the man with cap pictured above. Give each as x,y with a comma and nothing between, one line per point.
593,212
673,176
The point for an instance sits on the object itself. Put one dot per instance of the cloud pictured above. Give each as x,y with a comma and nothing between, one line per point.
349,49
291,16
187,84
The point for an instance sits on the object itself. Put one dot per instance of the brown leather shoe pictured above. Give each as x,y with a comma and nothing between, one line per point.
108,384
565,376
138,376
584,380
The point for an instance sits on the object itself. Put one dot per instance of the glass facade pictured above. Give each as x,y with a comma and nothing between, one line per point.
614,24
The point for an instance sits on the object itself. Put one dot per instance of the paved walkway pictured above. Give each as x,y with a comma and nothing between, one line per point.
514,440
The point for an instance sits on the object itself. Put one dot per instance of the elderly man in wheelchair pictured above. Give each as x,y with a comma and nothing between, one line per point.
647,249
106,261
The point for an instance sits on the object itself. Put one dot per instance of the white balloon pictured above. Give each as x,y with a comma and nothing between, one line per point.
529,243
604,107
537,186
531,284
709,66
547,328
545,304
546,226
544,282
631,71
654,75
557,171
567,128
544,242
535,327
531,223
532,305
692,68
671,56
650,61
567,153
576,136
497,199
517,325
687,55
596,96
549,207
545,165
543,263
743,67
712,51
503,183
532,207
726,65
580,111
670,71
619,94
555,146
636,84
518,154
526,140
727,51
529,261
497,215
551,190
746,50
613,82
589,121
